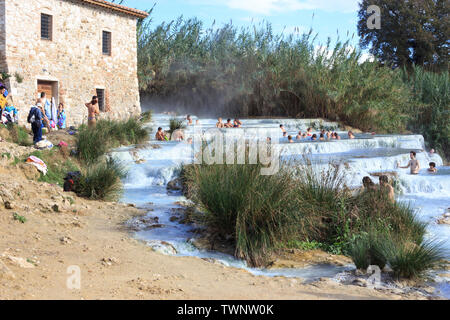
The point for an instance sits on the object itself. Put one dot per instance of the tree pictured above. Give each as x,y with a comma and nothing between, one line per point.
413,32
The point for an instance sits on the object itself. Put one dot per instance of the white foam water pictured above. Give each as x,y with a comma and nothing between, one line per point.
154,164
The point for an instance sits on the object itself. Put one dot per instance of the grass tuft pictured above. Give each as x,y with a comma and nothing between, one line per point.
92,143
102,181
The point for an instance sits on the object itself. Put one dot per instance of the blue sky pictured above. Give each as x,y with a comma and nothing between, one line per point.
330,16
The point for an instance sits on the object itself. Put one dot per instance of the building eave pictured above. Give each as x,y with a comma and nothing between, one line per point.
119,8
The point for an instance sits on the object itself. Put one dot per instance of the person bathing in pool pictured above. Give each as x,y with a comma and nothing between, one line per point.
189,120
228,124
160,135
432,168
290,139
386,188
219,123
413,163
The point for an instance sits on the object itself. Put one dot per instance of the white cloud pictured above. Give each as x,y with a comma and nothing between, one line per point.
267,7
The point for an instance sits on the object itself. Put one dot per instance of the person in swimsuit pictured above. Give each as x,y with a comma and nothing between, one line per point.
189,120
237,123
160,135
413,163
228,124
386,188
93,111
432,168
351,135
290,139
282,128
368,184
219,124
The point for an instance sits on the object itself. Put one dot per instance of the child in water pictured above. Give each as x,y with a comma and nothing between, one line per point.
160,135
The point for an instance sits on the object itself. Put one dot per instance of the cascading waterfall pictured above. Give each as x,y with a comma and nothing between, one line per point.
152,165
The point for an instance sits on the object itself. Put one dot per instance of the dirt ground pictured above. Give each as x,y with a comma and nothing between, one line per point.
63,231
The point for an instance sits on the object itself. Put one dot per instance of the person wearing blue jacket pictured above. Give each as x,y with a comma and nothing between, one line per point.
35,118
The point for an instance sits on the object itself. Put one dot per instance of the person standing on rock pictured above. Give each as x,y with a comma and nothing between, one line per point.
93,111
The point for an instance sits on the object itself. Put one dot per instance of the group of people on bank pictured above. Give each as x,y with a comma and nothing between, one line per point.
42,115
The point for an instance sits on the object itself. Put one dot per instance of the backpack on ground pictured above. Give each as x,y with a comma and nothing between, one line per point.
71,181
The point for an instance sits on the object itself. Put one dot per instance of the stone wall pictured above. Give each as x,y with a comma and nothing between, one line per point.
2,37
73,58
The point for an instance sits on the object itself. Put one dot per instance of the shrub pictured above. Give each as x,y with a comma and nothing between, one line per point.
429,112
411,260
146,116
366,250
175,124
92,143
360,253
102,181
257,211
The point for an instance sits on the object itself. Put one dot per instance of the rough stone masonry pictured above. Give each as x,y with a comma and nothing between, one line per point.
72,63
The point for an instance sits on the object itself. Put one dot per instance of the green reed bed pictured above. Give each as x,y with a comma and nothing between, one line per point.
309,206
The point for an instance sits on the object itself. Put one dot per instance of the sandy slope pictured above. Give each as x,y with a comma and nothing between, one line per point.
35,255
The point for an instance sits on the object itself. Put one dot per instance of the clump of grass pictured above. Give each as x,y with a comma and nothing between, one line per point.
257,211
146,116
411,260
366,250
102,181
92,143
6,155
19,135
175,124
19,218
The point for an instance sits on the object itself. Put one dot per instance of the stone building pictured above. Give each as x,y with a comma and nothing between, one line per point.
72,50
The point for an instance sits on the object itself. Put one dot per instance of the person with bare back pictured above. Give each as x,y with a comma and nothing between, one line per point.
93,111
